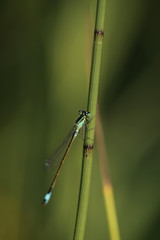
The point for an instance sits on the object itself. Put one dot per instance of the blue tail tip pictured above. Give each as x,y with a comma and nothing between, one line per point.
46,198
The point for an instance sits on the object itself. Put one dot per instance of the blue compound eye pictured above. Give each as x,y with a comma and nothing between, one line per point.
88,114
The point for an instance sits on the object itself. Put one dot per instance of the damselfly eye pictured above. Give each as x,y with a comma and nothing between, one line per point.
88,114
80,112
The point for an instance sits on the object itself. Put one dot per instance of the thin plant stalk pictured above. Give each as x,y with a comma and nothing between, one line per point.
89,137
107,188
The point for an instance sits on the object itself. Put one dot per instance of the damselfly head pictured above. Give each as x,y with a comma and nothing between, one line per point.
84,113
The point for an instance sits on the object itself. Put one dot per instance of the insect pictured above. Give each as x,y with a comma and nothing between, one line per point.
79,124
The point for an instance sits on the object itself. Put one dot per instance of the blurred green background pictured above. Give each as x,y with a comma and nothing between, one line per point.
44,66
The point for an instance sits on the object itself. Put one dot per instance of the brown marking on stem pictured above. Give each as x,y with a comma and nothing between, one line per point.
88,150
98,33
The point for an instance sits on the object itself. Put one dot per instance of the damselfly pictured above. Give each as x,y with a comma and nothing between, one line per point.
78,125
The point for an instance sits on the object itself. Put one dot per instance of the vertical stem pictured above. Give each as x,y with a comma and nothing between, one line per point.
89,137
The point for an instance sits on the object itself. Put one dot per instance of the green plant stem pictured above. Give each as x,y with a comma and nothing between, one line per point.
89,137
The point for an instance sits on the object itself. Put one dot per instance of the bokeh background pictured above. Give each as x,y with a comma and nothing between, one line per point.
44,71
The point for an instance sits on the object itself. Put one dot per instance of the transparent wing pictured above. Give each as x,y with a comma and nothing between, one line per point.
59,151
